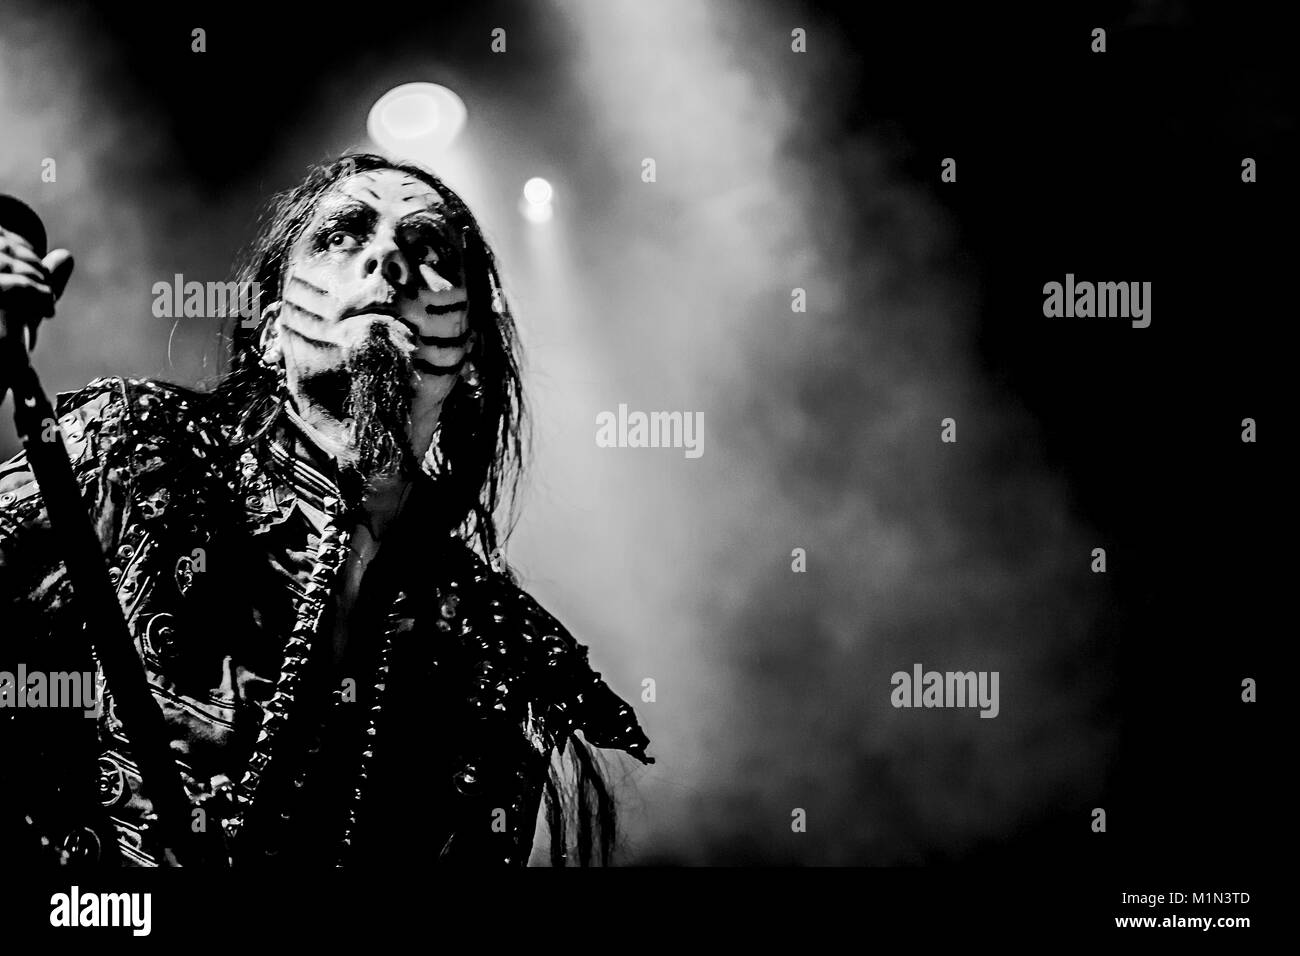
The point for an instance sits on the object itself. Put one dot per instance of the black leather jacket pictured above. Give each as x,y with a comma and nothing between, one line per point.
430,737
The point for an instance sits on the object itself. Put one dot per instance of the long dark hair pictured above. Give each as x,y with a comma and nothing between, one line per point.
483,439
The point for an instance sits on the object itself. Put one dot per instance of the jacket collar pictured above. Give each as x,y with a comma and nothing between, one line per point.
292,472
289,471
313,474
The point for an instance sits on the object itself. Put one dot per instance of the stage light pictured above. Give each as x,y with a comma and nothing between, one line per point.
535,206
418,120
538,191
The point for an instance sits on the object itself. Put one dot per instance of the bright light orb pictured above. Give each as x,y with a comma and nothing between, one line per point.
535,203
416,119
538,191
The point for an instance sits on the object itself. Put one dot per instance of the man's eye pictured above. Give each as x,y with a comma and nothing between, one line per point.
425,253
341,240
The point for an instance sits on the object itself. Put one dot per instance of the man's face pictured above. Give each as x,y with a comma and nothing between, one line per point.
373,327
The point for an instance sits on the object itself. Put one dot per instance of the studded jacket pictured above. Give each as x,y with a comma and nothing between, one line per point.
430,735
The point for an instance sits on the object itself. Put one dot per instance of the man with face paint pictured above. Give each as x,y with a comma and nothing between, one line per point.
307,556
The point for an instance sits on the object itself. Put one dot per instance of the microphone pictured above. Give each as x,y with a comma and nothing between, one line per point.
18,217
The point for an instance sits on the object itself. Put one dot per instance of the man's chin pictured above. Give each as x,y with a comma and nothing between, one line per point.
379,404
362,331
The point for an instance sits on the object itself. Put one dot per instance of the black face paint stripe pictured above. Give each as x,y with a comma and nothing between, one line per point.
428,368
307,285
318,343
307,312
444,341
372,192
445,309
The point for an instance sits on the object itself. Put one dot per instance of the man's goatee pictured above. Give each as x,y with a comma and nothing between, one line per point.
379,404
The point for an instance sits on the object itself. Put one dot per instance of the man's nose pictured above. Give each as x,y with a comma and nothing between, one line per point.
385,258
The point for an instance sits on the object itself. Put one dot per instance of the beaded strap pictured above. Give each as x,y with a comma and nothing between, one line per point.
399,622
311,608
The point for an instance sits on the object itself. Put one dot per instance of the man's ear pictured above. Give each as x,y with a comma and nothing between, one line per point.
269,341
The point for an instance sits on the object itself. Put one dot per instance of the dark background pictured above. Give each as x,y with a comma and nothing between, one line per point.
1120,691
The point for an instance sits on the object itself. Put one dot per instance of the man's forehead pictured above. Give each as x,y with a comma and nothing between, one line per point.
388,191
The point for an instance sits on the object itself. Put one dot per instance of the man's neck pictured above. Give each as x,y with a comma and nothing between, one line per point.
328,434
384,498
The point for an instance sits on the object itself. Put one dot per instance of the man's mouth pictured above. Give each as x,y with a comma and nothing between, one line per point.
390,312
374,308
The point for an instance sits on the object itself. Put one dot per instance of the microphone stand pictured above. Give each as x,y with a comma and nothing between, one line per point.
95,597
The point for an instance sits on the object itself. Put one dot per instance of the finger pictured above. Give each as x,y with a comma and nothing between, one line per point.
11,282
18,250
15,239
59,265
34,272
433,281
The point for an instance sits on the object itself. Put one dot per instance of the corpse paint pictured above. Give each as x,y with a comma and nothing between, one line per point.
381,249
1102,300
